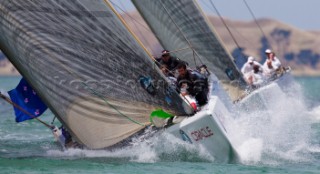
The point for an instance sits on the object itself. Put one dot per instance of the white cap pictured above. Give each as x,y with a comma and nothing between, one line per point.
268,51
250,59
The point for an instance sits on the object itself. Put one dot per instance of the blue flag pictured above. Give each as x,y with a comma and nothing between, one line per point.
25,97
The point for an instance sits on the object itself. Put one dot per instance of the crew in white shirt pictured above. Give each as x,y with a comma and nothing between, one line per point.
248,67
256,78
272,63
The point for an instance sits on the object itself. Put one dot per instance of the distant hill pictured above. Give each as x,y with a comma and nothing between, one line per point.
294,47
6,68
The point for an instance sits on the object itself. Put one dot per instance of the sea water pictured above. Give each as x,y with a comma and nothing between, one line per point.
285,140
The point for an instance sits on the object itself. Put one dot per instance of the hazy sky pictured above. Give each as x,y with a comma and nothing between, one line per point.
303,14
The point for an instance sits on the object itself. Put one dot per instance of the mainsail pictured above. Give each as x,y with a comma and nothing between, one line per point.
180,24
86,66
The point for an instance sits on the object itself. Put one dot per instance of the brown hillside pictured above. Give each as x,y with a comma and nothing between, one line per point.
248,35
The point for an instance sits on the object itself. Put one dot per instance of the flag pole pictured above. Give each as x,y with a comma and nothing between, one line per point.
24,111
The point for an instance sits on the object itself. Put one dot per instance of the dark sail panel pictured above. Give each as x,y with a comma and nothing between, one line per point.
85,66
180,24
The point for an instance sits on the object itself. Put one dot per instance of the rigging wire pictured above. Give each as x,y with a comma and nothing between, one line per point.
194,51
243,37
236,30
256,21
225,24
233,38
124,10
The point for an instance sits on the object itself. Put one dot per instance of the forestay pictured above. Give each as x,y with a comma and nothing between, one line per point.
180,24
85,66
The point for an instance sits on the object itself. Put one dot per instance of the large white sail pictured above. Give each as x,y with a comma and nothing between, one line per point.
85,65
180,24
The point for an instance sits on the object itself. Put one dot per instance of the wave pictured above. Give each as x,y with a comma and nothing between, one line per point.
277,133
163,147
315,112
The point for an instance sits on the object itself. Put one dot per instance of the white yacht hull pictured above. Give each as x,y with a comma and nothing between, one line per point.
266,97
206,129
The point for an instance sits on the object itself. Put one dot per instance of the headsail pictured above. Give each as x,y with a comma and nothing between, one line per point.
180,24
85,66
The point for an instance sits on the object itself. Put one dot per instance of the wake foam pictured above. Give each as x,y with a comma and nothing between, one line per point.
279,131
163,147
315,113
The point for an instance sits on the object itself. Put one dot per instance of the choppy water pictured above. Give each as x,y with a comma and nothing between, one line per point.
288,141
